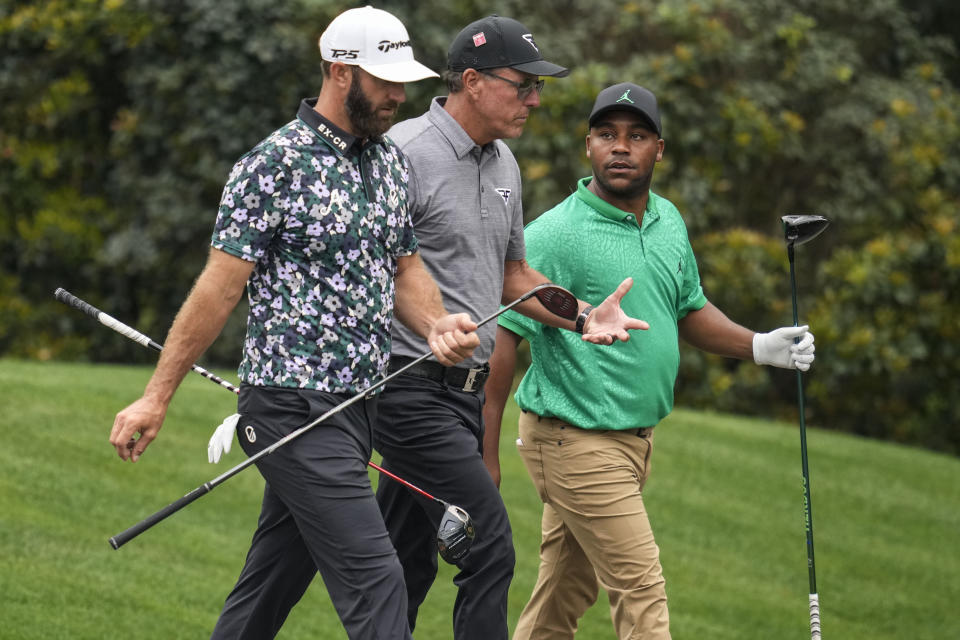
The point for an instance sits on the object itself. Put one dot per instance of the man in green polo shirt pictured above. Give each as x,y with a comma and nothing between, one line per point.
586,427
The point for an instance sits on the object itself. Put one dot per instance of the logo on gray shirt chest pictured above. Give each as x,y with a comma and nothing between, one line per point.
504,193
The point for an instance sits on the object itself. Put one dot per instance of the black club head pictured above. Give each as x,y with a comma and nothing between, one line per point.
455,534
800,229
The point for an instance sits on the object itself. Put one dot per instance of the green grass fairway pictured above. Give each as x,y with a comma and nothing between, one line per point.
725,500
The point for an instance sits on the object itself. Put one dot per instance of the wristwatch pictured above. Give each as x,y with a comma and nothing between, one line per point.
582,318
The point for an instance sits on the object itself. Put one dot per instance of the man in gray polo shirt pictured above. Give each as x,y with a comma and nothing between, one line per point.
467,215
464,200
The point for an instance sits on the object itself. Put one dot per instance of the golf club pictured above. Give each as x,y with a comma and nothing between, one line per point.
797,230
456,532
453,538
69,299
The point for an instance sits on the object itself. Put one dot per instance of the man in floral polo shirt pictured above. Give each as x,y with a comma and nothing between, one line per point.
313,222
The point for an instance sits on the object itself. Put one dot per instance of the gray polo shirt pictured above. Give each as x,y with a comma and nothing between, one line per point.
465,203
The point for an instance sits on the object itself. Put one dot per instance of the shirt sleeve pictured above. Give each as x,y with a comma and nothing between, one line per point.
520,324
408,243
516,247
692,297
545,257
251,206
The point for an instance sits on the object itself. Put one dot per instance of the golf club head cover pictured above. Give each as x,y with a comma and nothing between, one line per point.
222,438
455,534
786,347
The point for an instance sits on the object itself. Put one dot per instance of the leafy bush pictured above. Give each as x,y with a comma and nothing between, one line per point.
890,338
127,120
745,274
121,119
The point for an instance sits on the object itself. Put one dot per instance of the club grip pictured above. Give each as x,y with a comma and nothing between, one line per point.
815,617
68,298
124,537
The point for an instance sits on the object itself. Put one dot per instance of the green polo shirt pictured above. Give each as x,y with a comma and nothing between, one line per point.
589,246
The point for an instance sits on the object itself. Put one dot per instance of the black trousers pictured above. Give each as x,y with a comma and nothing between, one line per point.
432,436
318,511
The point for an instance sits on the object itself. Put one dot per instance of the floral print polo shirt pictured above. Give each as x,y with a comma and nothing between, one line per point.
324,218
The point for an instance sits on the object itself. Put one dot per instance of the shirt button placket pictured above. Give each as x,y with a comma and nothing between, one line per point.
478,155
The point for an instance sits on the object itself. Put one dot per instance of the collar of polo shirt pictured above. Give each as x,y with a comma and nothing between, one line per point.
337,138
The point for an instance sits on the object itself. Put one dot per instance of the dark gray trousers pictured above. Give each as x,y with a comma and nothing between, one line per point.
318,511
432,436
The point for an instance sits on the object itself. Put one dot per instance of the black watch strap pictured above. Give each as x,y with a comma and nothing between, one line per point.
582,318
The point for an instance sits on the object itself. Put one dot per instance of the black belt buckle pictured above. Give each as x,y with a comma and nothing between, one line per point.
459,379
475,378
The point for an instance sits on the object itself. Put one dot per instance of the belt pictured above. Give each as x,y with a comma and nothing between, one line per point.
469,380
640,432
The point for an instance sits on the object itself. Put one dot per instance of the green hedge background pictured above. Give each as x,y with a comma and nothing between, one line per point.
120,119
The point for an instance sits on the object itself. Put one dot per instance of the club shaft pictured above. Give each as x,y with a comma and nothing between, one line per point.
807,503
121,539
107,320
126,536
129,534
409,485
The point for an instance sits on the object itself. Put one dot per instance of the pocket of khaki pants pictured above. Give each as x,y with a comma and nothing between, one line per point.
648,454
533,461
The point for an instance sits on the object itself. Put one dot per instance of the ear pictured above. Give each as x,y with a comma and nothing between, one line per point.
471,82
587,142
341,75
660,145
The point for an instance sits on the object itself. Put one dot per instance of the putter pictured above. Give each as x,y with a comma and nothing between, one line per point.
799,230
456,531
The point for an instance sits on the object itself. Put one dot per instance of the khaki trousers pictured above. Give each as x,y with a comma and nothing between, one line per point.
595,531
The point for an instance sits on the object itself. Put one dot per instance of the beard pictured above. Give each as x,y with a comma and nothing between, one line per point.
632,189
363,115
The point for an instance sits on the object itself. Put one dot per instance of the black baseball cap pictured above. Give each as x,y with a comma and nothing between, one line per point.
496,41
627,96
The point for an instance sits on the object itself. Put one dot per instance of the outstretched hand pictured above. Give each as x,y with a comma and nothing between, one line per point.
608,323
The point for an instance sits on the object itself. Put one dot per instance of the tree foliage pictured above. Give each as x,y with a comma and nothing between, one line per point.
121,118
127,117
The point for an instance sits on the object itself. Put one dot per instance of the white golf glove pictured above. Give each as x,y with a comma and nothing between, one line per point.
222,438
778,349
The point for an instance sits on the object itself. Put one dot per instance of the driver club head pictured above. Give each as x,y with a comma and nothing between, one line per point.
455,535
800,229
558,301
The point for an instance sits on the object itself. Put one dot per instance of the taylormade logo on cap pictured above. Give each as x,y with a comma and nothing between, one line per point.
386,45
375,41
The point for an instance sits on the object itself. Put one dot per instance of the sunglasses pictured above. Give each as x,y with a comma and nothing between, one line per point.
524,89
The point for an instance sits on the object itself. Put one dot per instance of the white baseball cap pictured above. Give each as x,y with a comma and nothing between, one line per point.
375,41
